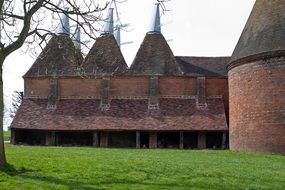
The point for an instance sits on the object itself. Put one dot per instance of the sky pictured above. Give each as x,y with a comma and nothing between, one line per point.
193,28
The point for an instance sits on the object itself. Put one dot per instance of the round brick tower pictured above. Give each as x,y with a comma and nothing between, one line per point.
257,81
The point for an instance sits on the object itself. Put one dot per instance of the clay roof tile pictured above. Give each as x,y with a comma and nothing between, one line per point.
124,114
264,32
204,66
59,57
104,57
155,57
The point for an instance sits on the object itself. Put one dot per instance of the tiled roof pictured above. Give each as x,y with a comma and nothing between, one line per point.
175,114
264,32
204,66
59,57
155,57
104,57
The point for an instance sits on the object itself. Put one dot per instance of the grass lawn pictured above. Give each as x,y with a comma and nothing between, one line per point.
91,168
6,135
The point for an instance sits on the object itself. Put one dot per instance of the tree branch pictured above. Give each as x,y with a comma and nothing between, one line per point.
13,16
25,30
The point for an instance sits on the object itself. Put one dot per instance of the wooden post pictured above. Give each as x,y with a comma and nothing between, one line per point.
53,138
152,139
95,139
50,138
181,139
224,139
138,139
201,140
13,138
56,137
104,139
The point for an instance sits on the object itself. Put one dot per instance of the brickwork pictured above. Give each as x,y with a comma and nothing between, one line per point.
39,87
52,98
153,104
129,86
126,86
105,92
177,86
216,87
201,92
75,87
257,106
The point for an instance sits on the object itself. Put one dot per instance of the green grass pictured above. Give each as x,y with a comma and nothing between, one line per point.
121,169
7,135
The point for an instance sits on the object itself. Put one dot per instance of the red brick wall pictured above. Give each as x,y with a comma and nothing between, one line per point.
257,106
39,87
217,87
129,86
125,86
176,86
78,87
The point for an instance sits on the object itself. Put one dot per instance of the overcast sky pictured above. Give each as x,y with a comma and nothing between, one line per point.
194,28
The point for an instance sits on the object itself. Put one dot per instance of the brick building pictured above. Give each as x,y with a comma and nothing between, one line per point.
257,81
162,100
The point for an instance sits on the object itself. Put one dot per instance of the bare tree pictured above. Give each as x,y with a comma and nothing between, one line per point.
24,22
17,98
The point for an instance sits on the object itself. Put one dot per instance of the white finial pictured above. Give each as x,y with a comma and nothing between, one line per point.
64,29
118,35
109,23
77,40
156,27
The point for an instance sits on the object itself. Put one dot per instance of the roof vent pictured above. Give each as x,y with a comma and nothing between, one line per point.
156,27
118,35
64,28
109,23
77,40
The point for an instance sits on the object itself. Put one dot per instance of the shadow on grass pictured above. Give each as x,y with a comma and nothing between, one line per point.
12,171
108,183
62,182
28,174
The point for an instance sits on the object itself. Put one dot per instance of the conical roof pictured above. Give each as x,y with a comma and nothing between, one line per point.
105,57
264,33
59,57
155,57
